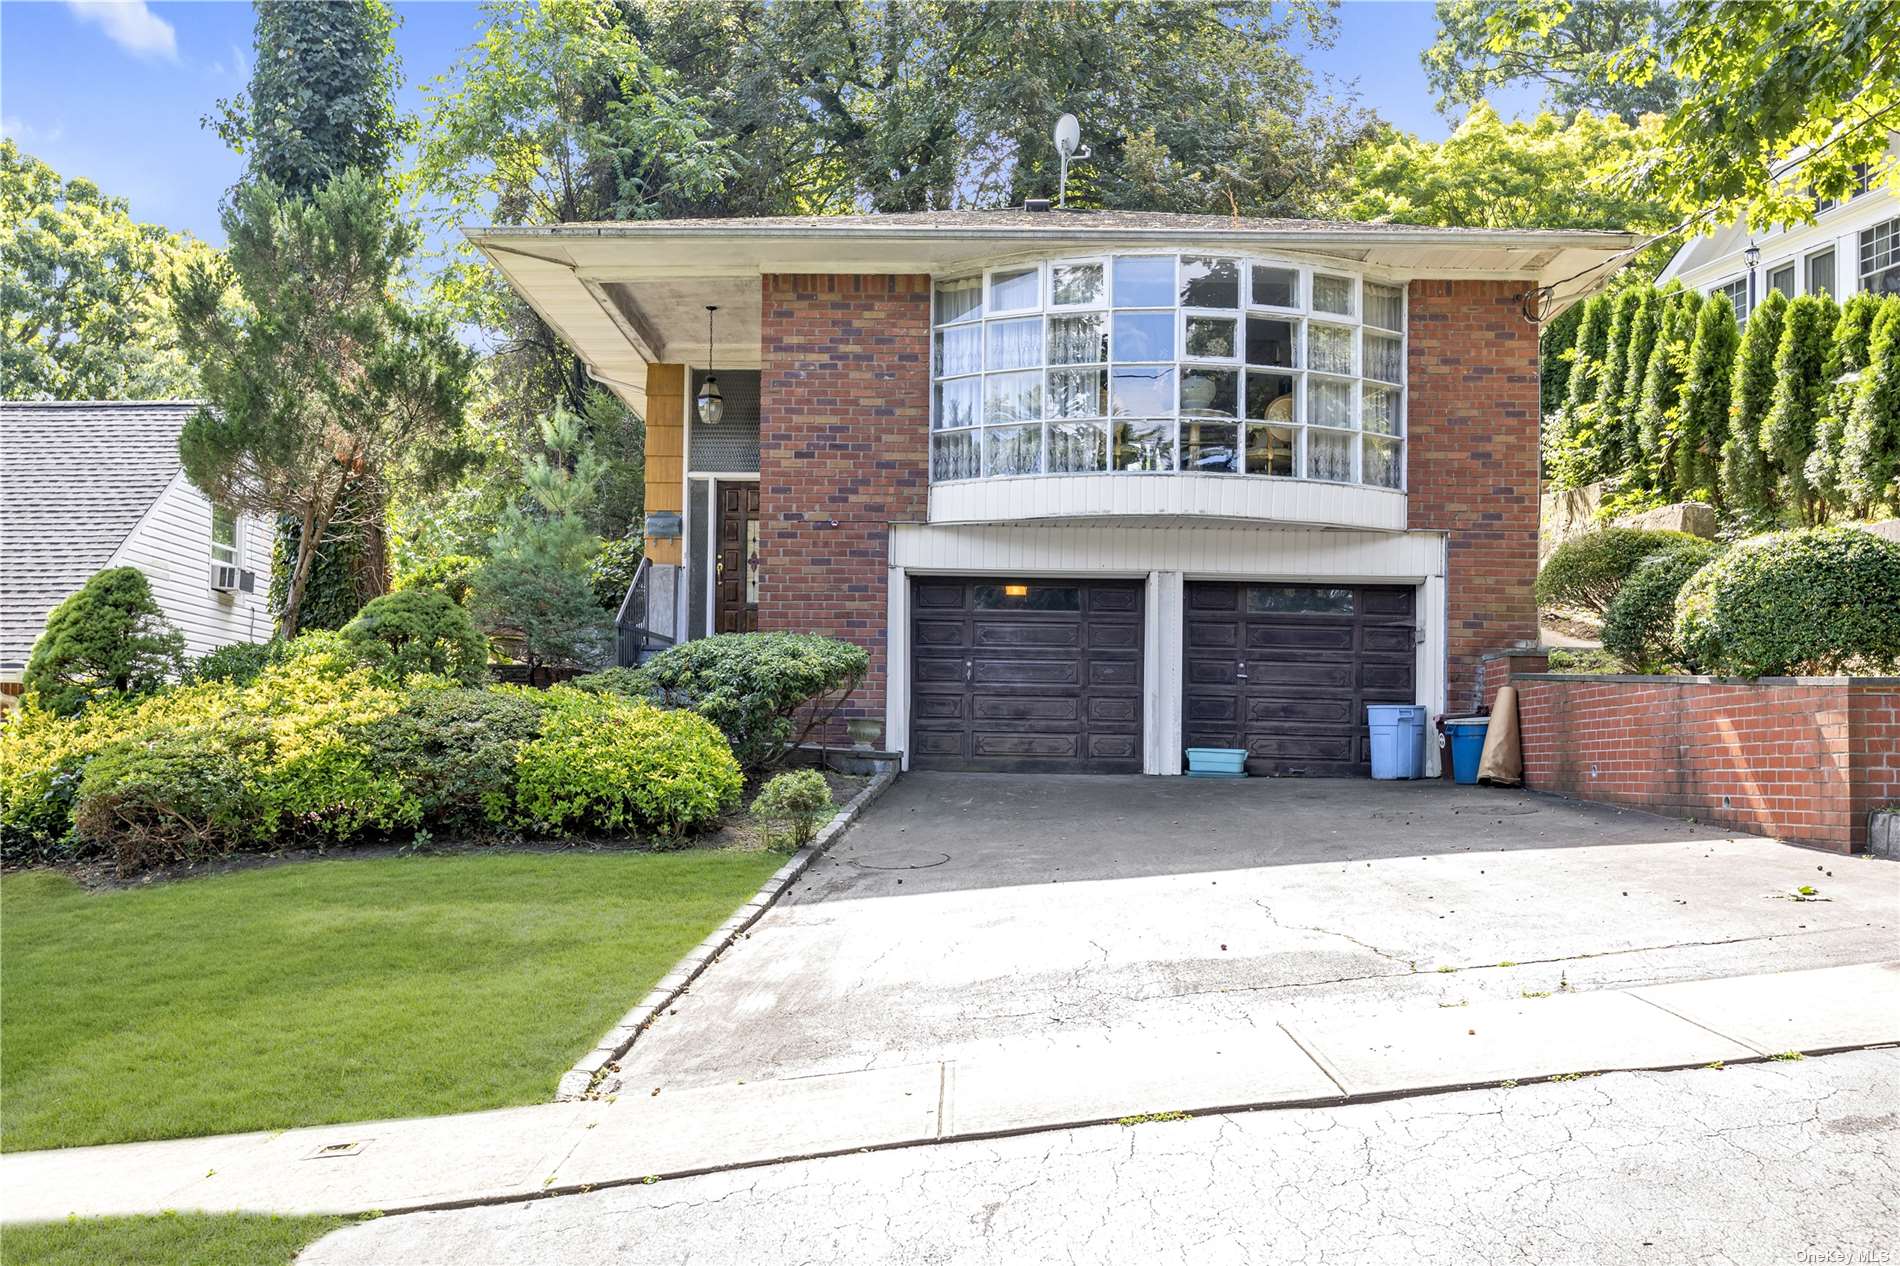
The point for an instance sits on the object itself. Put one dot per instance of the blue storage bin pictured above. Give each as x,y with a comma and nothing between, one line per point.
1398,740
1467,746
1231,761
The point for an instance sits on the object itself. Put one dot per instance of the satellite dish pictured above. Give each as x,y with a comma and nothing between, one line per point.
1068,135
1068,140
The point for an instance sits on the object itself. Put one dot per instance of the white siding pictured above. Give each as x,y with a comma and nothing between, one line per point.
1708,263
1167,556
172,546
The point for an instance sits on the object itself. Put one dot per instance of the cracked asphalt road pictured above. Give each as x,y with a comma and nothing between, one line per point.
1763,1163
1072,909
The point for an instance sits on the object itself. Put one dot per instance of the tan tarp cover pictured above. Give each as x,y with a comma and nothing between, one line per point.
1501,763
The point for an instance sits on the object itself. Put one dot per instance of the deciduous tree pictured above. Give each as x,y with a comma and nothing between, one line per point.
1579,50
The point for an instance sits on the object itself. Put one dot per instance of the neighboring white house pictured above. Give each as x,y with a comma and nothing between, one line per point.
1852,245
91,484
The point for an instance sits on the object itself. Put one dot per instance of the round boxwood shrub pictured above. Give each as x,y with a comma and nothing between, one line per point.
1814,601
604,764
1587,570
754,686
454,750
183,796
1640,626
109,639
792,806
418,631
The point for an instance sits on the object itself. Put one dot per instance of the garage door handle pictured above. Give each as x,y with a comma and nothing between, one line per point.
968,671
1240,670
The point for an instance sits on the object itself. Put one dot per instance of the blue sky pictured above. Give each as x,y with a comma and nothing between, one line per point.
115,92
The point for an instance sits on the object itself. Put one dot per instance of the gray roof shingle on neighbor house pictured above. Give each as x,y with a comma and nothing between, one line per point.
75,479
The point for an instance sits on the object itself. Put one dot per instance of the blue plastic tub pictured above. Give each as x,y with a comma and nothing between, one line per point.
1467,745
1398,740
1231,761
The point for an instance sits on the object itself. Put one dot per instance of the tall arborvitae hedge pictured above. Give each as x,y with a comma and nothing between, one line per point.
1846,358
1615,369
1645,323
1745,484
1658,415
1870,453
1702,425
1587,352
1800,395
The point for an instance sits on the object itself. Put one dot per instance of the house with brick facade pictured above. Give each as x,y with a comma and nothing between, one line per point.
1091,487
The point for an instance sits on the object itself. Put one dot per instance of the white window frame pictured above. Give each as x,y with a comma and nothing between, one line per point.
237,537
1834,269
1742,306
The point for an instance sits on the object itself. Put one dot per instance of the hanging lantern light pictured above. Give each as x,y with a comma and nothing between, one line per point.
712,405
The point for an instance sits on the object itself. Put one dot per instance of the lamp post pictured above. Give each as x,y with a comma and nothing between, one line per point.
1752,257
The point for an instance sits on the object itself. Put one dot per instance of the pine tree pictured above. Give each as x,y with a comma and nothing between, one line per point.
1799,396
1870,453
1658,414
1702,427
1745,482
1593,340
1846,358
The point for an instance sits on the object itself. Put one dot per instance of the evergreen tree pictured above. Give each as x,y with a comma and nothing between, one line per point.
1658,415
1846,358
1745,483
1702,426
1645,324
1593,340
1870,452
110,638
1799,397
1615,369
1556,350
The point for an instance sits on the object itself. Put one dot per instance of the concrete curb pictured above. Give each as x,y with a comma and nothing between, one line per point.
585,1079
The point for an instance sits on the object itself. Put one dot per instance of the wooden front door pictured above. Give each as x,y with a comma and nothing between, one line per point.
736,571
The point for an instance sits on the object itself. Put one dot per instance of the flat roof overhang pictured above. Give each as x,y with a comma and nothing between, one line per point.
626,295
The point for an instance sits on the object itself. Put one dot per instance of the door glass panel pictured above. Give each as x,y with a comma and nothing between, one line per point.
953,456
1329,456
1210,392
958,402
1013,397
1012,450
1270,450
752,562
960,351
1270,397
1027,597
1209,283
1271,341
1144,281
1209,446
1078,393
1276,287
1075,285
1078,340
1144,336
1139,389
1146,446
1210,338
1077,447
1015,344
1298,600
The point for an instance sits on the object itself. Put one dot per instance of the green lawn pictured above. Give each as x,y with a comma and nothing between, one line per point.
168,1239
335,990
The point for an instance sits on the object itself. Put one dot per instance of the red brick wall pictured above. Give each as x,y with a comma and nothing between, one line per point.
844,425
1796,759
1472,462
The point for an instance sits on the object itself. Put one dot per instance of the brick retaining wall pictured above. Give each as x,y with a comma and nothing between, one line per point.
1798,758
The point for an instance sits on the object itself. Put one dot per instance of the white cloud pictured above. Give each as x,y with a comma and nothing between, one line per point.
131,25
20,132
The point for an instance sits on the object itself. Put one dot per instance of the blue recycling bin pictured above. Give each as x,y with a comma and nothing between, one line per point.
1398,740
1467,746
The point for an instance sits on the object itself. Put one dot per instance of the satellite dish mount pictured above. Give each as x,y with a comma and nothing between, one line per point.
1068,143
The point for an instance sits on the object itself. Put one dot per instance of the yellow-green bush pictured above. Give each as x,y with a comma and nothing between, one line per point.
605,763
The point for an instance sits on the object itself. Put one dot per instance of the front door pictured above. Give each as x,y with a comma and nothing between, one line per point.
736,571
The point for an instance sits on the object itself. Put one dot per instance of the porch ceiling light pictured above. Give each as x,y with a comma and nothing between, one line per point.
712,405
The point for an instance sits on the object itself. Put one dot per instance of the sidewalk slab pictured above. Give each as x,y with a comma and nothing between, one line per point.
1098,1080
1449,1047
1825,1009
711,1127
112,1179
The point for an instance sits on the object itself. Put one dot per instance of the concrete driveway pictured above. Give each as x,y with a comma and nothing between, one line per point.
972,916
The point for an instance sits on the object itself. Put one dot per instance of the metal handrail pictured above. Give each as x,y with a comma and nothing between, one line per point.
633,634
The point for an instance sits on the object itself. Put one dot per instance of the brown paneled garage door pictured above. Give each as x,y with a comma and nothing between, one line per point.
1039,676
1286,671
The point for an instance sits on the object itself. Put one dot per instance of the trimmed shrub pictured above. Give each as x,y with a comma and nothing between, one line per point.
42,758
628,683
1639,627
604,763
454,751
239,663
418,631
319,782
1587,570
1820,600
451,574
792,806
754,685
183,796
110,638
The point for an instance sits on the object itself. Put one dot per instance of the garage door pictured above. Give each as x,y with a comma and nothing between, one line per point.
1036,676
1286,671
